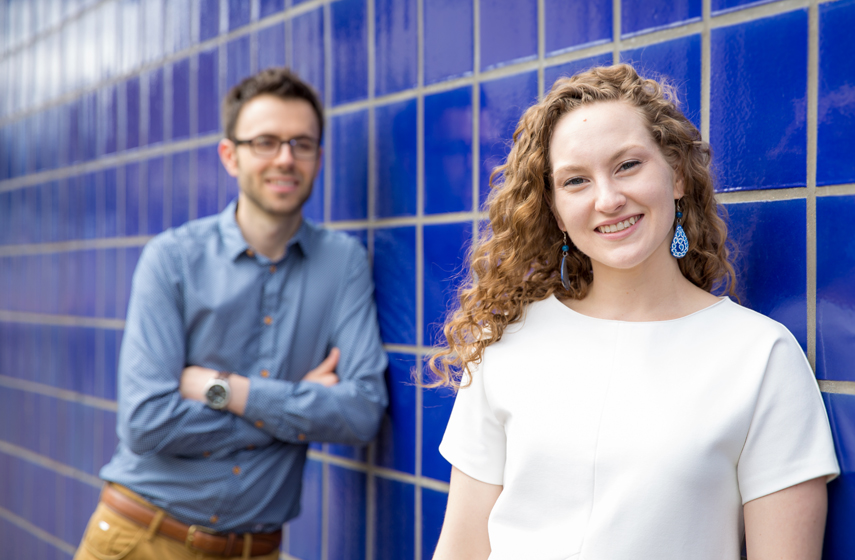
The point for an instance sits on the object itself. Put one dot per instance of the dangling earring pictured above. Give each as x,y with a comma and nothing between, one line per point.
565,274
680,244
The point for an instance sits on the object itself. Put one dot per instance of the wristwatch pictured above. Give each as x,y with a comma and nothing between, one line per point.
217,391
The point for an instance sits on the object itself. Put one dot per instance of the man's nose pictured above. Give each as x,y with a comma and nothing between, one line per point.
285,157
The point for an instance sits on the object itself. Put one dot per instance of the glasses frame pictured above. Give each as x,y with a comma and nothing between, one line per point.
292,142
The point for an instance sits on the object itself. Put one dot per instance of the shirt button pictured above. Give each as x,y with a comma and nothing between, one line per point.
214,519
250,447
259,424
250,253
206,454
268,320
272,269
236,469
265,373
301,437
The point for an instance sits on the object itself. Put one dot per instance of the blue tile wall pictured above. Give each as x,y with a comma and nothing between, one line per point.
449,47
836,110
771,260
576,24
109,124
758,113
835,298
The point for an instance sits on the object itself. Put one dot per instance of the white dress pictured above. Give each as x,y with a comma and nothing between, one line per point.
637,440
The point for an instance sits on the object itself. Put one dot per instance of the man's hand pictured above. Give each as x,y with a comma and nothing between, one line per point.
325,374
193,381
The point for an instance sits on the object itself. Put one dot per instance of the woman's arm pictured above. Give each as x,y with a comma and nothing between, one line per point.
464,532
788,524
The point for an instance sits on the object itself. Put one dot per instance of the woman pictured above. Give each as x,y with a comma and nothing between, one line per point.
611,407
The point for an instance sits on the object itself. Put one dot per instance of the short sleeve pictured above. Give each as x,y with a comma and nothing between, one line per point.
789,440
474,439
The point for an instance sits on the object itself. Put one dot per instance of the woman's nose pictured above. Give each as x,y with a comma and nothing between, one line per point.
610,197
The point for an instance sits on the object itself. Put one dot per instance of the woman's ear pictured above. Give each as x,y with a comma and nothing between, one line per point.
679,184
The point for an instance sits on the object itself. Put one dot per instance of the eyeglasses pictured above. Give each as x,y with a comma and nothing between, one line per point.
268,147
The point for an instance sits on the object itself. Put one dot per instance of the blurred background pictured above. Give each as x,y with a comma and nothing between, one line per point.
108,130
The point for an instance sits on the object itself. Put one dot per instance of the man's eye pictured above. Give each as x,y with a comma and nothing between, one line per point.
265,142
305,144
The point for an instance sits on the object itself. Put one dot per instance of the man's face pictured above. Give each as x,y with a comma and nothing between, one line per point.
277,186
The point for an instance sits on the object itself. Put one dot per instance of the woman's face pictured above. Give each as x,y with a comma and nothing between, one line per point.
614,190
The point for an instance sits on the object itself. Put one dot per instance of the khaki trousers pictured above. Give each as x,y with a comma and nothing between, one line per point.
110,536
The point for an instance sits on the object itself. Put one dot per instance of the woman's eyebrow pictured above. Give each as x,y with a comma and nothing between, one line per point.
576,168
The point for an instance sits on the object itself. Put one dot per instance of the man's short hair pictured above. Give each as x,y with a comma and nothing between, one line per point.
279,82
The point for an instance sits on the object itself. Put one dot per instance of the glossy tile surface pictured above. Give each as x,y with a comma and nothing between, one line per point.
502,103
770,265
350,51
444,251
839,538
552,73
576,24
307,44
644,16
395,128
679,62
346,503
395,519
396,447
395,45
758,115
270,46
448,39
835,291
836,110
512,35
448,156
349,152
395,283
724,6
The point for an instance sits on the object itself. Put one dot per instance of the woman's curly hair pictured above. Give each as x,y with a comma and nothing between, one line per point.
515,260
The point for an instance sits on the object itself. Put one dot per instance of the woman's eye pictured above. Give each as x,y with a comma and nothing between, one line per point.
573,181
629,165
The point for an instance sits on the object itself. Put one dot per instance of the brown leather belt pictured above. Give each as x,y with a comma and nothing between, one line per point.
194,536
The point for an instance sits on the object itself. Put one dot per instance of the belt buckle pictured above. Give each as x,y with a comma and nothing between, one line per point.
191,533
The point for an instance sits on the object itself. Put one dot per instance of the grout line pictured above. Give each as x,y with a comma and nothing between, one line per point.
328,85
731,197
37,531
706,72
56,393
541,46
836,190
50,464
371,32
810,206
61,320
76,245
837,387
418,521
382,472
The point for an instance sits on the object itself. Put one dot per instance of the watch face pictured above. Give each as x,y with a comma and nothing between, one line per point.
216,395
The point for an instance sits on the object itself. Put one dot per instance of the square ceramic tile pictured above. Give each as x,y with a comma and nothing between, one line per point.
508,32
153,194
349,51
677,61
445,247
395,283
270,46
207,168
209,19
270,7
835,298
307,48
502,103
448,39
395,128
178,26
396,442
771,260
239,13
836,111
237,61
208,102
576,24
758,111
346,507
394,537
395,45
132,113
724,6
349,154
180,189
436,409
313,209
839,538
644,16
155,98
448,151
181,99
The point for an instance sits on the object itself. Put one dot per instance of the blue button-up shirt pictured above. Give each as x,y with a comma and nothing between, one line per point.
201,296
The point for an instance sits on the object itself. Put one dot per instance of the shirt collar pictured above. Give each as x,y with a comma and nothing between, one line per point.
235,245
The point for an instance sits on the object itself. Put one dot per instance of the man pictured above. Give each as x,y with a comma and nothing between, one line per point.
248,335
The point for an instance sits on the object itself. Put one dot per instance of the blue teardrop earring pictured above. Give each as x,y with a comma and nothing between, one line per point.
680,244
565,274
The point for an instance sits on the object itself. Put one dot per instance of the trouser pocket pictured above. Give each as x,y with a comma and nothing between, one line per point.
110,536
